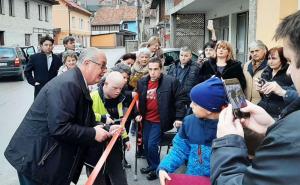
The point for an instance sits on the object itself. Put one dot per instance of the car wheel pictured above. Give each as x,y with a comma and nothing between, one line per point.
21,77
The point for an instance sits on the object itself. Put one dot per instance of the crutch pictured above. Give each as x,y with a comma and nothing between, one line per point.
136,149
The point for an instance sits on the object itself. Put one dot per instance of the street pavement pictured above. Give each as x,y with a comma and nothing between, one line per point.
15,100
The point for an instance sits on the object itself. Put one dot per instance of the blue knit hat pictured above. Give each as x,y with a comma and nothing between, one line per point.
210,94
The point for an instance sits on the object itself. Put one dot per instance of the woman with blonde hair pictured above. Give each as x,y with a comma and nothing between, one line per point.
154,45
224,65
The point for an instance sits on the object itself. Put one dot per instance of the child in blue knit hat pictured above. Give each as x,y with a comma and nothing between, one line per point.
193,141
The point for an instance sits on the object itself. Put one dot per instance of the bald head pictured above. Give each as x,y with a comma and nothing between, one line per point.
114,78
113,85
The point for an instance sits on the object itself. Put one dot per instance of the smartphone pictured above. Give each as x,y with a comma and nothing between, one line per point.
210,24
236,97
262,81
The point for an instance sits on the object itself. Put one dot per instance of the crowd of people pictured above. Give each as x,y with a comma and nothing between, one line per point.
69,125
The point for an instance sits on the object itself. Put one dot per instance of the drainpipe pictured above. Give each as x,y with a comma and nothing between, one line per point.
69,22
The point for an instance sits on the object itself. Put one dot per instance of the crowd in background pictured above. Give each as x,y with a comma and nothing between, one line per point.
189,96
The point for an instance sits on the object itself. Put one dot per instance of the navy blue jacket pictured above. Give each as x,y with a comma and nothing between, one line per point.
188,76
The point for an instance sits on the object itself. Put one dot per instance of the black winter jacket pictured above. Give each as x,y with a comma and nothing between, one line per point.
273,103
233,69
49,145
190,76
276,161
171,100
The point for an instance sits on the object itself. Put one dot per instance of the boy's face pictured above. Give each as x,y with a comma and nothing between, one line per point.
47,47
154,71
185,57
199,111
70,62
70,45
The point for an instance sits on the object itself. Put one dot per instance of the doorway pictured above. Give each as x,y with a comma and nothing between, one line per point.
1,38
242,37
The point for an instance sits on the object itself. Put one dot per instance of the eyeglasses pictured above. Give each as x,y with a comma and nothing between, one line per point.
103,67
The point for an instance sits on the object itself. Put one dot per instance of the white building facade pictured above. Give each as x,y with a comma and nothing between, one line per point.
23,22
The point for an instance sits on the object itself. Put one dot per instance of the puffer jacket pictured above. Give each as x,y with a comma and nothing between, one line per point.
193,144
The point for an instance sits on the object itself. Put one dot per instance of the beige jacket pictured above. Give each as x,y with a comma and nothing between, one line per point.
250,92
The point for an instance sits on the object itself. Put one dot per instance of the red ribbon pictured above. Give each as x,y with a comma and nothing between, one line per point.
110,145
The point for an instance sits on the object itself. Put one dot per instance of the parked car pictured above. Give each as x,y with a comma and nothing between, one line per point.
13,60
78,47
57,49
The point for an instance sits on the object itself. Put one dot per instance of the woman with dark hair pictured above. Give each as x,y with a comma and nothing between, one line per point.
127,59
224,65
275,71
209,47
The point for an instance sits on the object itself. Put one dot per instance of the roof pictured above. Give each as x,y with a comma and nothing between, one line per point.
114,15
72,5
52,2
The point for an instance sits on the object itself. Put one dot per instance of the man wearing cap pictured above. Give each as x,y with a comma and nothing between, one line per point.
161,104
193,141
253,69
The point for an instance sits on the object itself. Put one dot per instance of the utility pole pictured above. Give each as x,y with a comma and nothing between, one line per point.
143,20
138,21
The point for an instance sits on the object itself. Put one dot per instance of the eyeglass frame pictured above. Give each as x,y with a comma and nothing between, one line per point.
101,65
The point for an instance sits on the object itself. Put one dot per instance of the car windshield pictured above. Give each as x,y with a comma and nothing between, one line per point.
7,53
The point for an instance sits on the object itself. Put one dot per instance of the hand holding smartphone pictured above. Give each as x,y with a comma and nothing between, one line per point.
236,97
210,25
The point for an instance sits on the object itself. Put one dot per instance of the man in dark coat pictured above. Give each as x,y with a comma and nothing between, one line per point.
186,71
49,146
277,159
44,65
161,103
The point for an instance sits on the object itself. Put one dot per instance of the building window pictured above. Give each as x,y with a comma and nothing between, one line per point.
1,38
46,14
27,39
11,8
40,12
73,22
147,20
39,37
1,7
81,24
27,9
125,26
